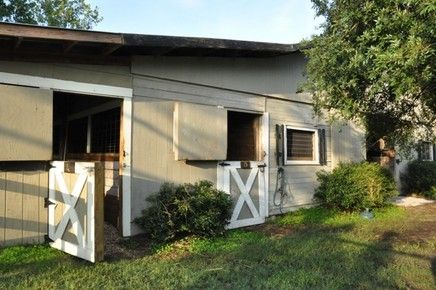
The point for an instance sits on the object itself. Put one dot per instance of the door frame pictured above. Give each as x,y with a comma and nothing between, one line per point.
264,142
126,94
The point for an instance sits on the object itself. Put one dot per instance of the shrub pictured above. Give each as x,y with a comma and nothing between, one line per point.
355,186
420,178
190,209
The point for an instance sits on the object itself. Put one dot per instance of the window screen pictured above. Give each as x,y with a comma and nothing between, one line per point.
300,145
105,132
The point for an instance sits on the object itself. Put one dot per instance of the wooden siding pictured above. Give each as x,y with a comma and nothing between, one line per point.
301,178
152,153
348,143
271,76
23,218
94,74
192,93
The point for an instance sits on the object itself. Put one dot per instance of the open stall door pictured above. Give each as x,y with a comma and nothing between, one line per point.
244,176
75,209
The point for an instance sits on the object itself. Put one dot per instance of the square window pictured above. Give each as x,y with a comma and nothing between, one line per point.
301,146
425,151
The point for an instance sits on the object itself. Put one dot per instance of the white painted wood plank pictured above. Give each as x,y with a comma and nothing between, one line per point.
65,86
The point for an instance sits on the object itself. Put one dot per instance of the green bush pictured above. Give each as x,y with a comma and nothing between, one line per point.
420,178
355,186
190,209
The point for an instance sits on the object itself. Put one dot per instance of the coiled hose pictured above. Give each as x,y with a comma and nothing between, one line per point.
282,188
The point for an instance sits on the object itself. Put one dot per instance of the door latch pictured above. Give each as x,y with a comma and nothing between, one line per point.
261,167
47,202
224,164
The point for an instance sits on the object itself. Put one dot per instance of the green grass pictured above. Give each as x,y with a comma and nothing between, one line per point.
319,249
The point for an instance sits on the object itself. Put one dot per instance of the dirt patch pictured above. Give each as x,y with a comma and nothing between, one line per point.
117,247
420,224
271,230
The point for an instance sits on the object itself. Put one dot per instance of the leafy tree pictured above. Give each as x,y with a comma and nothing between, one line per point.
76,14
374,63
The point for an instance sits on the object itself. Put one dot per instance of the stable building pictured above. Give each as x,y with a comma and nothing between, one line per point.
92,123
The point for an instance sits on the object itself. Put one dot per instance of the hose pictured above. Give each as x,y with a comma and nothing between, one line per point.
282,188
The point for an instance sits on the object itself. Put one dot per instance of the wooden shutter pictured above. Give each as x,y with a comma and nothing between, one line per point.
280,154
25,123
322,147
200,132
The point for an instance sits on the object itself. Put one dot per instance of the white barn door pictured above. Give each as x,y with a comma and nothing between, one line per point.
75,209
246,184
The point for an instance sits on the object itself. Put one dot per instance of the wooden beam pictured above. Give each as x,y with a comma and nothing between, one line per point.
39,32
69,45
110,49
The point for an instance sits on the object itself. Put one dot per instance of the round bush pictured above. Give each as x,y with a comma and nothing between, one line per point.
420,178
190,209
355,186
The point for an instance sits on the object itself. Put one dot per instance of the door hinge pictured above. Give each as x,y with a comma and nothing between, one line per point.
47,202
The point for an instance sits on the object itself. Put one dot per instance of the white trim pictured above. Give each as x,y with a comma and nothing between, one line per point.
65,86
265,148
315,161
126,167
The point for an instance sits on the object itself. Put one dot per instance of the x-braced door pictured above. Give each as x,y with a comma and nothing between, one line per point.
245,182
75,209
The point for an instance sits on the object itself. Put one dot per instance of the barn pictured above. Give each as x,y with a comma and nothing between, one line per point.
91,123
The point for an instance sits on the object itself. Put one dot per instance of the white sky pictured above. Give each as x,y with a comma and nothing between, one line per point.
281,21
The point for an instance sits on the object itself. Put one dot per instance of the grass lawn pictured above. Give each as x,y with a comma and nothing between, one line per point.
313,248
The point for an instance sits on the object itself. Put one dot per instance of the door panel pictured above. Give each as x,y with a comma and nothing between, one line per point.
247,188
76,216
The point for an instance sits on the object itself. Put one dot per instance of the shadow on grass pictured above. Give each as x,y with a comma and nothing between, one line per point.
314,259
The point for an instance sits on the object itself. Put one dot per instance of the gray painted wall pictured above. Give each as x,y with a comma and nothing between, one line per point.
235,84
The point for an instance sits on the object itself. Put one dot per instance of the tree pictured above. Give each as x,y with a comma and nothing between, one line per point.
374,63
77,14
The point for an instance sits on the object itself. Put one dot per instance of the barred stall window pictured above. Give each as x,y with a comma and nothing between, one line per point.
105,136
301,146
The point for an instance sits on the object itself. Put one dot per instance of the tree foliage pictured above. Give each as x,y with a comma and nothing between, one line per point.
375,63
77,14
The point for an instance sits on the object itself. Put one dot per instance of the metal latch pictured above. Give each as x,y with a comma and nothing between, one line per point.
47,202
224,164
261,167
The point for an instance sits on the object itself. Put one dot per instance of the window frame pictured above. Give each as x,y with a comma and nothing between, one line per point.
315,144
429,146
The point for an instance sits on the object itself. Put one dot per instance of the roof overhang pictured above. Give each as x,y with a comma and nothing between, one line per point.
24,42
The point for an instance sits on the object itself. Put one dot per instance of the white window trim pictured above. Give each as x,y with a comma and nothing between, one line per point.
315,147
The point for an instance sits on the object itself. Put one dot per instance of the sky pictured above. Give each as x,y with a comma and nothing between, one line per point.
279,21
